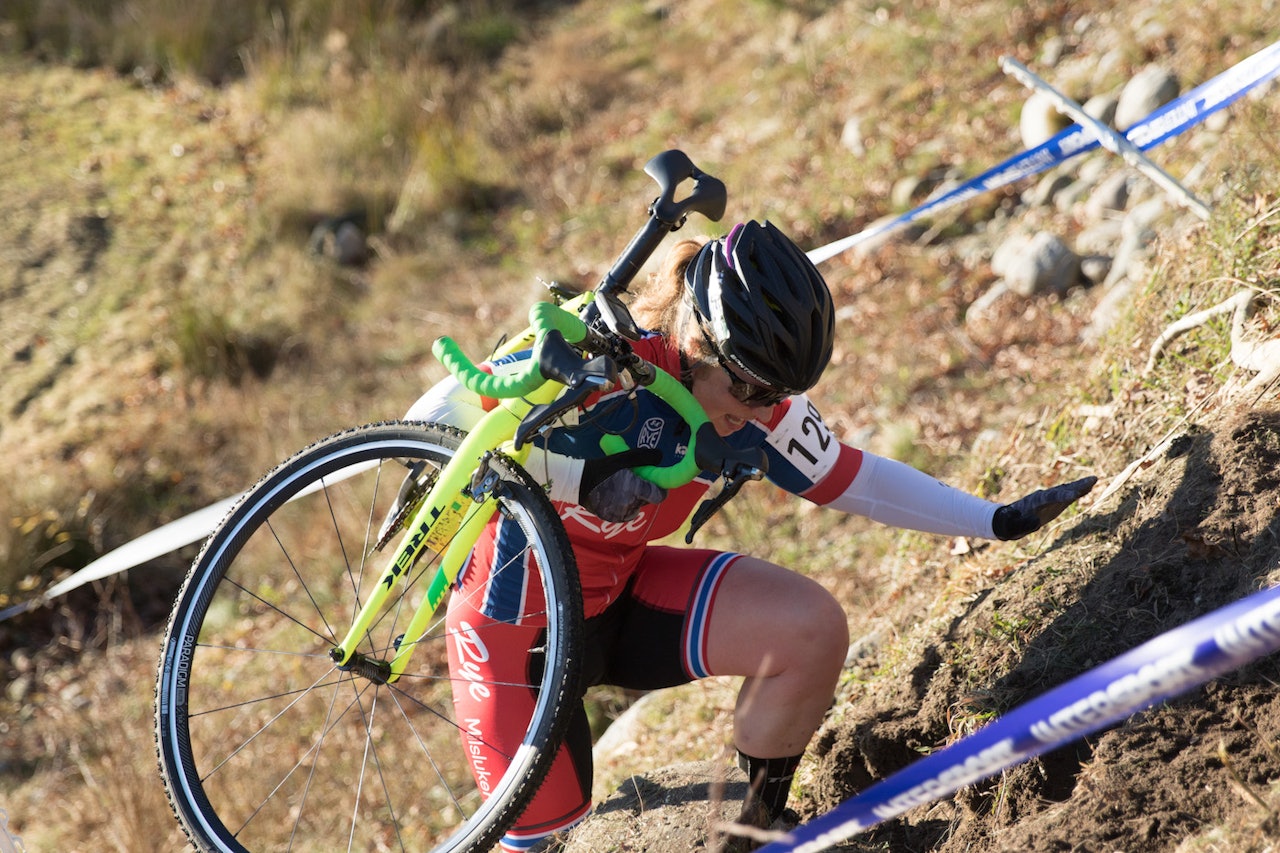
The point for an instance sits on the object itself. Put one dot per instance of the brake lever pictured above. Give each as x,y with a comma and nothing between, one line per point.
616,316
734,480
737,467
558,360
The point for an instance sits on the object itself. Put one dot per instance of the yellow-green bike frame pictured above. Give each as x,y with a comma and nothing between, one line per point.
451,517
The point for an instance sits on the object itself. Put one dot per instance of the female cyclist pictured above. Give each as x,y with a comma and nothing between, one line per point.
747,322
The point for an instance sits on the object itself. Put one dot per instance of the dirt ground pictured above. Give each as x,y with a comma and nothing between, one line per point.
1193,531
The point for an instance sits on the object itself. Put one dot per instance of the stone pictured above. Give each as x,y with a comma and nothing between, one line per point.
1047,189
1149,89
851,137
1094,268
1040,120
1041,264
1101,107
1110,196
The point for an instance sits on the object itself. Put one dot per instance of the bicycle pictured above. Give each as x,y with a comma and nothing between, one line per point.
303,698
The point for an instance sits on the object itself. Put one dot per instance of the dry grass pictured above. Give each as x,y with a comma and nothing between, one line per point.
90,747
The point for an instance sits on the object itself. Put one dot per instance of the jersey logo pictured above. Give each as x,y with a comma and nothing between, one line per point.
471,653
650,434
608,529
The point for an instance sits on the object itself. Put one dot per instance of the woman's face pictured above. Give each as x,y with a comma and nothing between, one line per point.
711,388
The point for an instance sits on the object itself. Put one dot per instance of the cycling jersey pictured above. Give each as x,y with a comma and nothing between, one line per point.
647,607
804,458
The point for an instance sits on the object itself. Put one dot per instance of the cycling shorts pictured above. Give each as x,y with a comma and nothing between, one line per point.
654,635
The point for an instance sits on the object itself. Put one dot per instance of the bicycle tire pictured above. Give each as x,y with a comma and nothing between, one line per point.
264,744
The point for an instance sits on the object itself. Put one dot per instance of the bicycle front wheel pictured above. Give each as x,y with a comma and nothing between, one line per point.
264,744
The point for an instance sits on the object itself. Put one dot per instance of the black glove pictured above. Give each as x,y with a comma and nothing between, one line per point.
1029,514
611,490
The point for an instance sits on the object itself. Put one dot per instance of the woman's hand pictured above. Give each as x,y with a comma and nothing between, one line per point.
612,491
1029,514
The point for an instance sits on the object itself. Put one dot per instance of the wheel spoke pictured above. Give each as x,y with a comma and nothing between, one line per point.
265,744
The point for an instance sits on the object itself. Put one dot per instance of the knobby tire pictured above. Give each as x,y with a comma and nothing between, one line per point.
264,744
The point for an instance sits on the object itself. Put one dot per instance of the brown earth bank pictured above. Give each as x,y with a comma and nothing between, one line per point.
1196,530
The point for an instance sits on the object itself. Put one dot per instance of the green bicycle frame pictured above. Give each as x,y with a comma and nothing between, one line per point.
449,517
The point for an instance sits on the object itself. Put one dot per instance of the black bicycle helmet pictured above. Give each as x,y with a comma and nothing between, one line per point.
764,305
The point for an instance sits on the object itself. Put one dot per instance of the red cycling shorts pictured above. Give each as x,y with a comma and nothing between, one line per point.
654,635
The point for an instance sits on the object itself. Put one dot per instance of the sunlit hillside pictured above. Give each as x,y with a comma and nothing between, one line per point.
179,314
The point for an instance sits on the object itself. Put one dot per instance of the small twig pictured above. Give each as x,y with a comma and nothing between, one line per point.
1257,223
1255,356
1261,357
716,802
1163,445
1190,322
746,830
639,793
1239,783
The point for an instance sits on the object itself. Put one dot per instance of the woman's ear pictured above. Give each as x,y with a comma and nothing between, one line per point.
689,338
692,345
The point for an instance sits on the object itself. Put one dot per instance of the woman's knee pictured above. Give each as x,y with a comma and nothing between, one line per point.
822,628
794,622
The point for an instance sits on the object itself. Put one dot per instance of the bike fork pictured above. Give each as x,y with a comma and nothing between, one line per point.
449,522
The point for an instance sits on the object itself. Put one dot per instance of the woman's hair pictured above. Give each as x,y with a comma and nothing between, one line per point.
661,307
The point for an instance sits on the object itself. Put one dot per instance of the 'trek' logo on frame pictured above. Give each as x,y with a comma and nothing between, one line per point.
427,533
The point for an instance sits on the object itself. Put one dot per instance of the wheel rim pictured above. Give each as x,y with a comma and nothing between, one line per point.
268,746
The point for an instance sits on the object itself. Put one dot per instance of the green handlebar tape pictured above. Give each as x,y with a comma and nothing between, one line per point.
668,388
543,317
476,380
548,316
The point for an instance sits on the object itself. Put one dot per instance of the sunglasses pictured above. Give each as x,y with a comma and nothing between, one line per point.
747,393
755,396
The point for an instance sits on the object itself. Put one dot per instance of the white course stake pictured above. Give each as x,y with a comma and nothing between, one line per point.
1107,137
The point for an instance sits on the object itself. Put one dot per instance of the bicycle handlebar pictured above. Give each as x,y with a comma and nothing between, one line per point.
543,318
554,361
546,318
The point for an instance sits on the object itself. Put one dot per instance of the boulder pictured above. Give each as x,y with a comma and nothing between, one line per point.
1039,264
